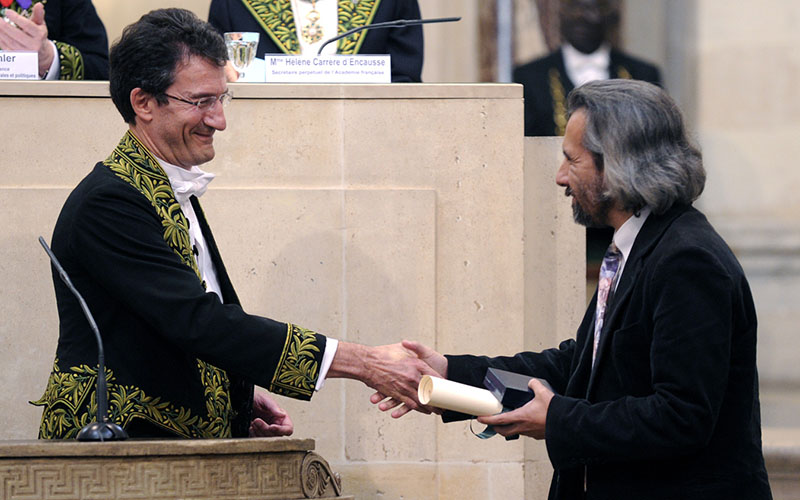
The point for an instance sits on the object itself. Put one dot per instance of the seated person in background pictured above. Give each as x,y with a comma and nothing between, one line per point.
302,26
584,56
182,356
68,35
657,396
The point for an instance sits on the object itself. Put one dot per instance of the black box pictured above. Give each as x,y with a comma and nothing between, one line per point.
509,388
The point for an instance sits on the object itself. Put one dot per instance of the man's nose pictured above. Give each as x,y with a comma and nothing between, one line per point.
561,174
215,117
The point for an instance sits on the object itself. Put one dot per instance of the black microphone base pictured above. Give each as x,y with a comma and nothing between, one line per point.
102,431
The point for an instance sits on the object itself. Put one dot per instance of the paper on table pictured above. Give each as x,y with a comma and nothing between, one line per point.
443,393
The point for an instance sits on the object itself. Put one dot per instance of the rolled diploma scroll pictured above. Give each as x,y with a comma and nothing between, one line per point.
443,393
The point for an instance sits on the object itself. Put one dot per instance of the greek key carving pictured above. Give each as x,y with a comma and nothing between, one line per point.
244,477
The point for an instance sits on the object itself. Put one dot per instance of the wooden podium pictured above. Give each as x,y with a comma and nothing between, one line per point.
242,469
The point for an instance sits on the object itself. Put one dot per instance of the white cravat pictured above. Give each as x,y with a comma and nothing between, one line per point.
583,68
186,183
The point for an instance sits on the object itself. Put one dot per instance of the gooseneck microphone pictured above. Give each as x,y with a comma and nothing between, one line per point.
399,23
103,429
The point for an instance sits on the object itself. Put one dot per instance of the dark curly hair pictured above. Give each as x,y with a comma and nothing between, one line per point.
150,50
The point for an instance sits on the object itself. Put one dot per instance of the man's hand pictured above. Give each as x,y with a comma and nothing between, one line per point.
392,370
269,419
528,420
433,359
29,34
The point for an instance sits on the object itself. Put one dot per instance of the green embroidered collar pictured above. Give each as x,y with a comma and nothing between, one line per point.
132,162
277,20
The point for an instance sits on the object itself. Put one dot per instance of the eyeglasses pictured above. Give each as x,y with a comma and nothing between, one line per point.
205,103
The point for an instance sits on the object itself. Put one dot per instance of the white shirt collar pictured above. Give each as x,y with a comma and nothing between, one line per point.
582,68
186,183
625,236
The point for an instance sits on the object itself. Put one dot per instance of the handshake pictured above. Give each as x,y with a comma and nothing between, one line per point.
393,370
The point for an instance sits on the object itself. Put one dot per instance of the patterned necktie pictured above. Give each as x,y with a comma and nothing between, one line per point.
605,287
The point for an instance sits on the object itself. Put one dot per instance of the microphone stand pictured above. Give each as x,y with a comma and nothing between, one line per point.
400,23
103,429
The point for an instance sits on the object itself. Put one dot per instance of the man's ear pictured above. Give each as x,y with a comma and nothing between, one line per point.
142,103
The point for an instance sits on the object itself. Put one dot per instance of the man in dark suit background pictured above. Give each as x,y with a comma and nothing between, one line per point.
585,55
657,396
68,35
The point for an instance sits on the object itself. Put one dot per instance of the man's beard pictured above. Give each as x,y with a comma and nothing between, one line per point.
598,200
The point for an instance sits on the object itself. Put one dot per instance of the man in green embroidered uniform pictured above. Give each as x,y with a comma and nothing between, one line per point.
182,356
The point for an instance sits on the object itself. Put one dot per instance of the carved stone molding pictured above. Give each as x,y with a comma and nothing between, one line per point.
219,469
317,478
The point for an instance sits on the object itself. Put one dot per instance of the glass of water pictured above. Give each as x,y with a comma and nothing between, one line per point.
241,49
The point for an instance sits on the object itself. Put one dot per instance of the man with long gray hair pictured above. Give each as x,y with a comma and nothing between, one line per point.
657,396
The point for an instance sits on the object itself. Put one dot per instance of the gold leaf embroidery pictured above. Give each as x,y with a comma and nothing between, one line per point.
70,61
277,20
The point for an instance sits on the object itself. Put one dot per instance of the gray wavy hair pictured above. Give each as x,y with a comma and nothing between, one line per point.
636,134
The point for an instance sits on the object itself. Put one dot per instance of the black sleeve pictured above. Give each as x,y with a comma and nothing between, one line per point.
76,23
689,304
552,365
405,45
118,240
219,16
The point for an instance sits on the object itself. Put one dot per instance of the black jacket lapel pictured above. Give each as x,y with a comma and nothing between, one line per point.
228,293
241,390
651,232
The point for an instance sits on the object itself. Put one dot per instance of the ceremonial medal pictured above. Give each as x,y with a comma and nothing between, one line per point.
312,32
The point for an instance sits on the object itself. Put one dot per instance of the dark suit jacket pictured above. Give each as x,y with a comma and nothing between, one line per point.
75,23
278,32
546,86
179,361
671,409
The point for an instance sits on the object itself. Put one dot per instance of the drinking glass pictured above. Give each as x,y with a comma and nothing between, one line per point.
241,47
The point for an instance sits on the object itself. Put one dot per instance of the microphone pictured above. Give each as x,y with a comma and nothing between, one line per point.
399,23
103,429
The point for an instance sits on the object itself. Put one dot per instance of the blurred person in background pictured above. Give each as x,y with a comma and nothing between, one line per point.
68,35
302,26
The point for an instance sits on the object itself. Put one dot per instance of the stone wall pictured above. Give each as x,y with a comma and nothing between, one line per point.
369,213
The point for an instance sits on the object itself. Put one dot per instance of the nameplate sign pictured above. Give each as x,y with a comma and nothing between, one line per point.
328,69
16,65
